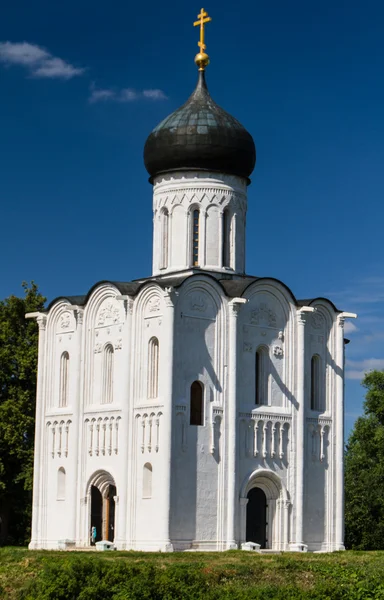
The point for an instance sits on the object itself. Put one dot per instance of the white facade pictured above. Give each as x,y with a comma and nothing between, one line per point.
164,403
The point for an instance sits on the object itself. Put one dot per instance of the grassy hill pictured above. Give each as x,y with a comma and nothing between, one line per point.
231,575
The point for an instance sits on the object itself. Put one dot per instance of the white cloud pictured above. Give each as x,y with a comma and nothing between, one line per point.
38,61
124,95
350,327
356,369
154,94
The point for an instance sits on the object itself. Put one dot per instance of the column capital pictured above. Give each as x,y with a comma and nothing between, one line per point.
302,314
41,319
170,296
235,305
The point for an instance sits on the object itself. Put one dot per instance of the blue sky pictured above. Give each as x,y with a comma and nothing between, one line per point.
83,83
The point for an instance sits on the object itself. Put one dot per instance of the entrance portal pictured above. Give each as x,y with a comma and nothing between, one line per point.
256,529
101,493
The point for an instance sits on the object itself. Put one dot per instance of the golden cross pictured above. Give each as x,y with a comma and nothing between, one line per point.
203,18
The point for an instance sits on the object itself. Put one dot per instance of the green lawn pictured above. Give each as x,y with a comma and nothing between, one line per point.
231,575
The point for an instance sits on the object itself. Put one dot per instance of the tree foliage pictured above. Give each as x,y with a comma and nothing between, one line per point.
364,471
18,370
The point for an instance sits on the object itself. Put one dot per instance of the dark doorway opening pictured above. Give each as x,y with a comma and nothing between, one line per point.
96,513
256,529
110,507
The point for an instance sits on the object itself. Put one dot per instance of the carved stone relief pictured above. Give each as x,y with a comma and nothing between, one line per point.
198,302
317,320
263,316
109,314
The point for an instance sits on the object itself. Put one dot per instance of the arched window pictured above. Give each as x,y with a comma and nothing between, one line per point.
147,480
316,400
107,397
164,239
261,376
64,377
195,238
61,484
196,404
153,368
226,238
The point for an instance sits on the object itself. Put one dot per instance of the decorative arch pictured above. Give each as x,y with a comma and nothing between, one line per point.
100,479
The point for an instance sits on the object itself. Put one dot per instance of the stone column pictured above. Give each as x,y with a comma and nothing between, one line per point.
231,421
339,437
39,458
166,433
298,543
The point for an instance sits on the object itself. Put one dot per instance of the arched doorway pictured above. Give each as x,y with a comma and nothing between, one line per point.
264,510
256,524
102,494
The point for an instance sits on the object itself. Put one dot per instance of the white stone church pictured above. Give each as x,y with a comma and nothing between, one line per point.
201,407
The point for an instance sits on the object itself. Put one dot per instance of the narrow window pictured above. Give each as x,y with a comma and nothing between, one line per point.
107,397
196,408
147,480
315,383
261,376
226,238
195,238
153,368
64,376
164,239
61,484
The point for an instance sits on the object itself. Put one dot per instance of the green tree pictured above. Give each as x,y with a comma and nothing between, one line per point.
18,369
364,471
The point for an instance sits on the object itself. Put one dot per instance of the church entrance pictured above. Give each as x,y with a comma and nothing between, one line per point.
256,519
102,503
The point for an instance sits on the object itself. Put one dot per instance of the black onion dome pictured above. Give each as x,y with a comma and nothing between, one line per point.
200,135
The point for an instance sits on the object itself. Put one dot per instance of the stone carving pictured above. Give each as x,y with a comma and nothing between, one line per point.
278,351
281,336
262,315
247,347
65,320
154,304
198,302
97,348
108,315
317,320
119,344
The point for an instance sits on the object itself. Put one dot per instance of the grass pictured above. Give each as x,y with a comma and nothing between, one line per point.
210,575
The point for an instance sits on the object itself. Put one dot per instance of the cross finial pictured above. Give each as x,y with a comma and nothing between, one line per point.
202,59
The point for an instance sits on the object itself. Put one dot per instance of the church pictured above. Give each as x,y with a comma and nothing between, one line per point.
199,408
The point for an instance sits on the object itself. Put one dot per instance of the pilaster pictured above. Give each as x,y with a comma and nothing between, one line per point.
38,463
231,421
297,543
